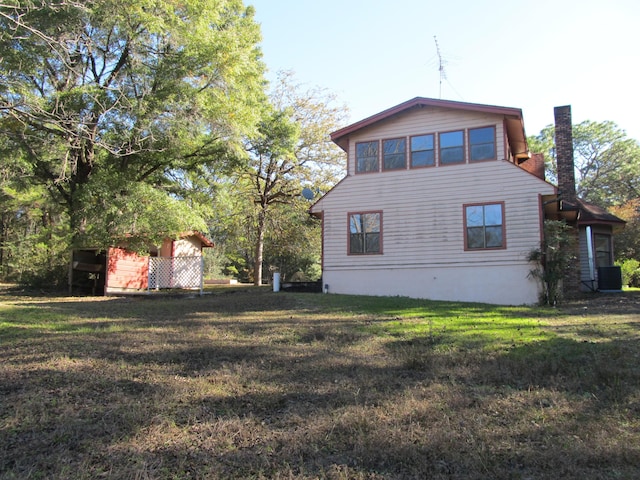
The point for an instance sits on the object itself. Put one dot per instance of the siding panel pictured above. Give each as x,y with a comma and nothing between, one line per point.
427,120
126,270
422,221
423,231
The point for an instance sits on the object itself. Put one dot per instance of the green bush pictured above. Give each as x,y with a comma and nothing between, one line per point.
630,272
553,259
39,260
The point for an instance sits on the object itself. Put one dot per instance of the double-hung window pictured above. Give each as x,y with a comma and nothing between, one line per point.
394,154
603,250
422,151
365,230
484,226
482,144
452,147
367,157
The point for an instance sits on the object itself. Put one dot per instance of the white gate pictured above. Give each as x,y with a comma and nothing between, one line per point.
176,272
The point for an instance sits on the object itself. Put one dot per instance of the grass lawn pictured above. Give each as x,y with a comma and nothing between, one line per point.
247,383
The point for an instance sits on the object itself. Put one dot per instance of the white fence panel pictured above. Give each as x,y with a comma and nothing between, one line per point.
176,272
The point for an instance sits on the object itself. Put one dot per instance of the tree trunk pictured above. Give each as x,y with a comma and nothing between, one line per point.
4,236
257,269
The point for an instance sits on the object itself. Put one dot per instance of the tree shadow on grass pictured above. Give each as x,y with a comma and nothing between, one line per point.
421,414
30,317
200,388
52,419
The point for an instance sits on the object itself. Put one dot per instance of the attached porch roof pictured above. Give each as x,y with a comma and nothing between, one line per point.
513,121
580,212
592,214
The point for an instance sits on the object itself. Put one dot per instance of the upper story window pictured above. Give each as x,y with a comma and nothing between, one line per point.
484,226
367,157
427,150
422,151
452,147
365,233
394,154
482,143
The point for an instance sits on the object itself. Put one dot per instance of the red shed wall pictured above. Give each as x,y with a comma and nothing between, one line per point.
126,270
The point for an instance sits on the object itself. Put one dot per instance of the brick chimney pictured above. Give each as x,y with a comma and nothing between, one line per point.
564,154
534,165
567,191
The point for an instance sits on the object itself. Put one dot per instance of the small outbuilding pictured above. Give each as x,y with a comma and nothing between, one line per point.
176,264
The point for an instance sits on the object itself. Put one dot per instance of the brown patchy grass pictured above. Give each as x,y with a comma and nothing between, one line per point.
245,383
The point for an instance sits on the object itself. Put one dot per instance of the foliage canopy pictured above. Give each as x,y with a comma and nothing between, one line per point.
104,97
607,161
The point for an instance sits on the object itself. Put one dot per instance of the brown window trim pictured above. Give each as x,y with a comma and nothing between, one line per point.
495,144
355,156
382,156
504,226
464,147
435,151
349,253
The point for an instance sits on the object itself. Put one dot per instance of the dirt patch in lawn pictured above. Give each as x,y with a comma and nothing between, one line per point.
626,302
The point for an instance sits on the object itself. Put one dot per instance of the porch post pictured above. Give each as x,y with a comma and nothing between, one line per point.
201,275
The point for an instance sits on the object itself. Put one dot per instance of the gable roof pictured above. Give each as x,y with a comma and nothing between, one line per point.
591,214
194,233
513,120
580,212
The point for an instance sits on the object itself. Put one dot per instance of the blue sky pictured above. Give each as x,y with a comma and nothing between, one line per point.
531,55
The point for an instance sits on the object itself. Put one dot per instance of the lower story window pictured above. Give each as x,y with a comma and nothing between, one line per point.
365,231
603,250
484,226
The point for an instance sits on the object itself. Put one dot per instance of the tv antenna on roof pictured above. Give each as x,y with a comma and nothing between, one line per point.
441,64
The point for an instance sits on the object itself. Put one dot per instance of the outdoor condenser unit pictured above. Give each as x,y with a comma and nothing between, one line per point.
609,278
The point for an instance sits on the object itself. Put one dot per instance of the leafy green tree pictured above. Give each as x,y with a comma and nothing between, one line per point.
630,270
607,161
272,174
135,211
317,112
553,259
544,143
231,227
293,242
292,151
108,98
32,243
627,241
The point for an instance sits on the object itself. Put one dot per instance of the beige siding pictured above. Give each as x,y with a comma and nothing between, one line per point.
187,247
423,223
428,120
183,247
507,284
423,213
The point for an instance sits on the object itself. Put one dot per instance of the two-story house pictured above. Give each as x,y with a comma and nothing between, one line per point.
442,200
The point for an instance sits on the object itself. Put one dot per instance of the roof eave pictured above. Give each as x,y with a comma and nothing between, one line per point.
513,114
